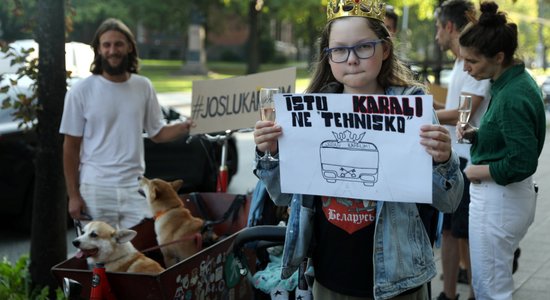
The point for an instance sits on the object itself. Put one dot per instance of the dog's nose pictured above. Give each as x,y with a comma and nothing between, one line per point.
76,243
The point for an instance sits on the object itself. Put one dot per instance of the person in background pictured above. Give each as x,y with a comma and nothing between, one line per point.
451,17
356,56
391,20
104,118
505,151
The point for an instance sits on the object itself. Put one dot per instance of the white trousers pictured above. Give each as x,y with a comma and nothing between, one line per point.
499,219
121,207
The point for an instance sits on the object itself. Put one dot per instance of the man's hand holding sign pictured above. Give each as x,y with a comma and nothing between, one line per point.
358,146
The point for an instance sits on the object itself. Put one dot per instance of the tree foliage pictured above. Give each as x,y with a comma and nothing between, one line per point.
418,40
166,15
15,282
17,18
307,18
23,100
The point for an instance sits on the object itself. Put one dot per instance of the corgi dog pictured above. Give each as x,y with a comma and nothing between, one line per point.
101,243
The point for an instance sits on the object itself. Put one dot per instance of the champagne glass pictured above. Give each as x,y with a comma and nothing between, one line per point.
267,112
464,112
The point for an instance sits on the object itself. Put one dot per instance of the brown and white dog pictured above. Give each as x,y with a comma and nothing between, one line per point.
101,243
178,231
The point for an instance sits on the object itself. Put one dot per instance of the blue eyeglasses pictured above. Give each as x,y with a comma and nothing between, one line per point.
363,51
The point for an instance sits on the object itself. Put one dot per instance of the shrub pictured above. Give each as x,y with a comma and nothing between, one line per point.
15,282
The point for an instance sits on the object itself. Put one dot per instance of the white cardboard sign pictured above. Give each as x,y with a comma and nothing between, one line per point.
355,146
221,104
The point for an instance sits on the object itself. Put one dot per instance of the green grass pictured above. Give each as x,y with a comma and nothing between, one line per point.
166,74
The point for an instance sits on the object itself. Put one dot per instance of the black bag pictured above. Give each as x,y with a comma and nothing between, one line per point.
196,161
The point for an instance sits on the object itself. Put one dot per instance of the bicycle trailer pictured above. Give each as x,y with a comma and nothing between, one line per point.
212,273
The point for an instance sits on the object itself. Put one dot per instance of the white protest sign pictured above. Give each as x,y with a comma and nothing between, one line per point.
221,104
355,146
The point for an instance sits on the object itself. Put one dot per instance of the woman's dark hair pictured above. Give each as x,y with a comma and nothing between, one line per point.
491,34
392,73
117,25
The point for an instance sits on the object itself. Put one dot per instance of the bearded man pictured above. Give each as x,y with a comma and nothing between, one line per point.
104,118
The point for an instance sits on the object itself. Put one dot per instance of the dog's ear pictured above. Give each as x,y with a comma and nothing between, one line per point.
125,235
152,191
176,185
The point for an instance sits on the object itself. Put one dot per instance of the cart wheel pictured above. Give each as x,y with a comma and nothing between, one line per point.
71,288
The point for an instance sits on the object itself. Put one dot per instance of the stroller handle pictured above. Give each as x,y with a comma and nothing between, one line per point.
262,235
269,233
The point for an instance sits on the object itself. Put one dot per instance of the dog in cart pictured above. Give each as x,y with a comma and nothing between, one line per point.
176,228
103,244
210,273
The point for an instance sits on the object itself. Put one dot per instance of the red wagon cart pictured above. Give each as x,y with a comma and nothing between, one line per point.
213,273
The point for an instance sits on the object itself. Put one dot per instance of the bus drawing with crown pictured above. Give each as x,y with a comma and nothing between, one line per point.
364,155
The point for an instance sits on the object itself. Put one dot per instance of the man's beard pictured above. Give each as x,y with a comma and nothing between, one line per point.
116,70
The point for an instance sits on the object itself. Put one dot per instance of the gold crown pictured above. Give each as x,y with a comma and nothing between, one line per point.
374,9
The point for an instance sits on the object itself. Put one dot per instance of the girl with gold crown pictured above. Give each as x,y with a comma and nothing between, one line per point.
388,254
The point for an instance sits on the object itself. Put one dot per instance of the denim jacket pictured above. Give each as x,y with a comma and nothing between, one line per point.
399,232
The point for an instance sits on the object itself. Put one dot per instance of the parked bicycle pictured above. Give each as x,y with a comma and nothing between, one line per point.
224,140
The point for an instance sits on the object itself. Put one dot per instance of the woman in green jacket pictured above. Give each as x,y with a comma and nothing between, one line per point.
505,151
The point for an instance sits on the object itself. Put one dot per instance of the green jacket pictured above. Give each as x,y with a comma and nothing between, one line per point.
511,133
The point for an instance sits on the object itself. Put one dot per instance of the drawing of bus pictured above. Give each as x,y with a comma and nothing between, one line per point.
365,159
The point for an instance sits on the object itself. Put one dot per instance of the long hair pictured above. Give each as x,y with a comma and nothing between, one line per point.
392,73
491,34
117,25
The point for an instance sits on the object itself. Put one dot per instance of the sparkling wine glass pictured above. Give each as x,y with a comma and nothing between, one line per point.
464,112
267,112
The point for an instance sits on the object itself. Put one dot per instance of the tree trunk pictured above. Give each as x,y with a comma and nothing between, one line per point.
438,58
49,226
253,61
